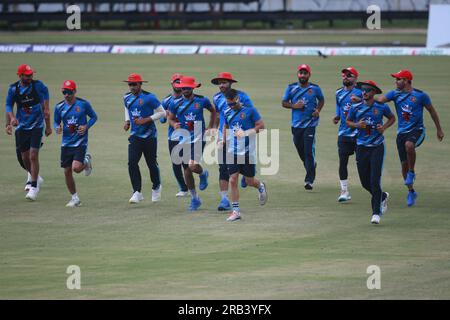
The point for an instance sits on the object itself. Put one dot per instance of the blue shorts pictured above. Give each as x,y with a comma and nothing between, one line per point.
70,154
26,139
247,169
346,145
223,169
414,136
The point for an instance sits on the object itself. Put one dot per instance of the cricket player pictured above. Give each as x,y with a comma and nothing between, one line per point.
70,119
242,123
409,104
306,100
142,109
346,135
225,80
367,117
32,100
174,98
187,117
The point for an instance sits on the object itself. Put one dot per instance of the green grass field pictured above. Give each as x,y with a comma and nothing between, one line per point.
301,245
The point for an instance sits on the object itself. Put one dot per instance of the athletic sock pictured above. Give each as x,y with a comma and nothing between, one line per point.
344,185
34,184
29,177
261,187
193,193
75,196
223,194
235,206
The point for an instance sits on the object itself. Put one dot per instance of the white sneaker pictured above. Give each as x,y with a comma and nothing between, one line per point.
32,194
384,204
74,202
28,183
136,197
262,194
345,196
181,194
375,219
88,161
156,194
236,215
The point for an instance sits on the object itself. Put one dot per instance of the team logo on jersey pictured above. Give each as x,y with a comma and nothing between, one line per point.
140,102
369,125
236,127
310,91
375,112
77,109
196,106
242,115
413,99
190,117
72,124
136,113
406,112
347,107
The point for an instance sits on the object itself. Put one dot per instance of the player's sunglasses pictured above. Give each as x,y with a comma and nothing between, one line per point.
348,75
303,72
132,84
186,88
67,92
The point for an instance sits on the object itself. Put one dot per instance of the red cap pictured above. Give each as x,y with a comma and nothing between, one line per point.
371,84
223,76
134,77
175,77
351,70
69,84
304,67
187,82
406,74
25,69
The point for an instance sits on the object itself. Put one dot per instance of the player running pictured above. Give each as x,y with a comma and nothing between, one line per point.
409,103
306,101
174,98
346,135
32,100
188,115
70,119
142,109
242,123
225,80
367,117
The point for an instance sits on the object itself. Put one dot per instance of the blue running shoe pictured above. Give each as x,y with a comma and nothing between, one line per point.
195,204
204,180
411,199
243,182
224,205
410,177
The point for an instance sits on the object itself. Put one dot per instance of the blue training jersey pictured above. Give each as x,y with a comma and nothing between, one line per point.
189,112
409,107
311,96
343,105
372,116
28,101
242,119
72,116
166,103
141,106
220,102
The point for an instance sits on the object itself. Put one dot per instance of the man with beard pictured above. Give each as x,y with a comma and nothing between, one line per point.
367,117
142,109
242,123
346,136
174,98
32,100
306,101
224,80
72,112
409,103
188,116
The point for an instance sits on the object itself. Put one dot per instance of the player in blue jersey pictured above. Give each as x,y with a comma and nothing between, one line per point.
409,103
346,136
367,117
177,169
142,109
186,117
224,80
242,123
70,119
306,101
32,100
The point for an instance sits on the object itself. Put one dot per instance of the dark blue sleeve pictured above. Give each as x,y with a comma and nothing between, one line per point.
319,94
287,94
246,100
43,91
9,99
92,115
255,115
56,117
351,114
207,103
390,95
426,101
387,111
338,108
